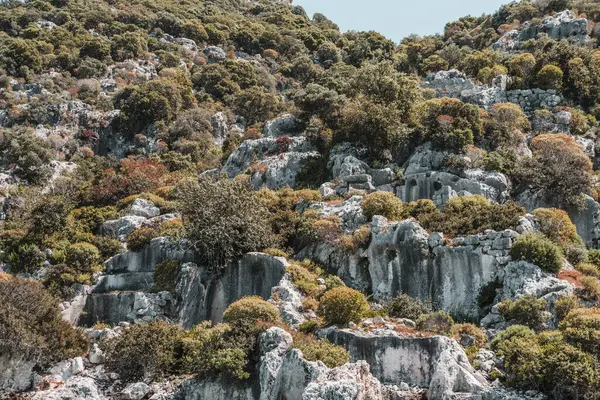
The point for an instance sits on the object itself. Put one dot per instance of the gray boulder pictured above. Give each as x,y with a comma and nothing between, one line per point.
143,208
286,125
122,227
135,391
76,388
16,373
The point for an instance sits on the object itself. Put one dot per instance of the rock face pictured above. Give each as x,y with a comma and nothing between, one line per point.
424,180
286,125
455,84
563,25
436,362
123,294
586,219
403,258
272,162
16,374
202,297
283,373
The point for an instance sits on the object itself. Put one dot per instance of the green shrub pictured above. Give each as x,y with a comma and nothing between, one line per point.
581,327
565,305
405,306
84,257
31,324
526,310
591,287
305,280
165,275
557,226
321,350
144,351
247,311
469,329
141,237
342,305
107,246
218,350
539,250
471,215
224,219
506,335
593,257
385,204
26,258
436,322
308,327
550,77
588,269
450,124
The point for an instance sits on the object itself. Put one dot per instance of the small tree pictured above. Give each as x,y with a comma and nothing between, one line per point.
539,250
223,219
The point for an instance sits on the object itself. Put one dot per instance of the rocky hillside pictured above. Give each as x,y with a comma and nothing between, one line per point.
230,199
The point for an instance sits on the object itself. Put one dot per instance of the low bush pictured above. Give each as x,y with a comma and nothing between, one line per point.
588,269
435,322
526,310
84,257
342,305
469,216
405,306
581,327
144,351
31,324
458,330
248,311
565,305
557,226
305,280
539,250
26,258
591,287
385,204
321,350
165,275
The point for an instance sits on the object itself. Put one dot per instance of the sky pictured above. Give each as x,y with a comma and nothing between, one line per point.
397,19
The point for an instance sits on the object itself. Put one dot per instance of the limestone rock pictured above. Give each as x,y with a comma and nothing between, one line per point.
350,212
286,125
135,391
76,388
122,227
16,374
215,53
274,163
143,208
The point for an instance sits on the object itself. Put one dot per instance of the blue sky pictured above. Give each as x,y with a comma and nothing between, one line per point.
397,18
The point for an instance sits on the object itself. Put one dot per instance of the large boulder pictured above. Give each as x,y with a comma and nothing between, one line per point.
286,125
434,362
16,372
272,162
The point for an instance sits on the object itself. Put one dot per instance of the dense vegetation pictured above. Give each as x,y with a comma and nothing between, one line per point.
104,104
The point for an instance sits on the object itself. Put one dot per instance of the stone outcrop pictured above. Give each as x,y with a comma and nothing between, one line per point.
349,212
403,258
283,373
586,219
125,292
272,162
455,84
286,125
16,372
425,179
563,25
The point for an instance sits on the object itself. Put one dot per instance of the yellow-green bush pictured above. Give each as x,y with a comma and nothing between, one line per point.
539,250
526,310
405,306
435,322
385,204
342,305
557,226
321,350
247,311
